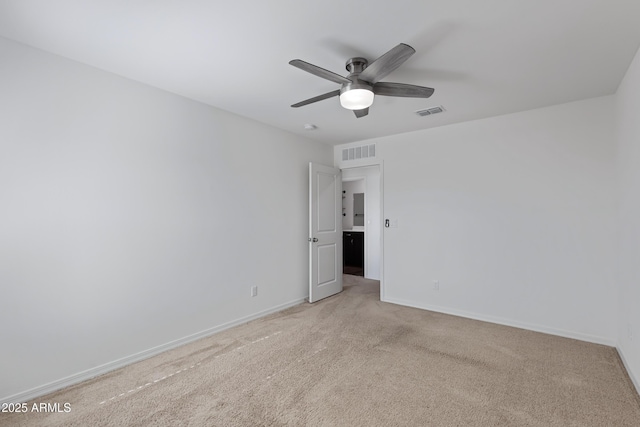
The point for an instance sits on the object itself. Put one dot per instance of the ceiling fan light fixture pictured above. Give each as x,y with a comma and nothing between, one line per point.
358,89
356,99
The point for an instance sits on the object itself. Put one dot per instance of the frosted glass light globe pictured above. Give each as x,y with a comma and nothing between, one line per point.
356,99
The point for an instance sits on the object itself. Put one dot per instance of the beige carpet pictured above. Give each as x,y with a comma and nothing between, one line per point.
352,360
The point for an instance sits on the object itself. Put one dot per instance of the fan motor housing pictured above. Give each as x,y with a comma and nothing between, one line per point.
355,66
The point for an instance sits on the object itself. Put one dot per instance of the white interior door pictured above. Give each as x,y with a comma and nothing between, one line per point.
325,231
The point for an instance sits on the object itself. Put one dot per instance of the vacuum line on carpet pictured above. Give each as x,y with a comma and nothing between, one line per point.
186,369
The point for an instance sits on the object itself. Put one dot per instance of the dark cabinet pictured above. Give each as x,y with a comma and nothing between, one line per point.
353,252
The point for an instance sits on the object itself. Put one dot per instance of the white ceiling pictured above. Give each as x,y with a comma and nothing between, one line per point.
483,58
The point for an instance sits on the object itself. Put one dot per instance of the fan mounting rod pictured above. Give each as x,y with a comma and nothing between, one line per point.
356,65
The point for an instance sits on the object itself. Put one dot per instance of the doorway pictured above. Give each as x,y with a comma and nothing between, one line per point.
362,185
353,217
325,227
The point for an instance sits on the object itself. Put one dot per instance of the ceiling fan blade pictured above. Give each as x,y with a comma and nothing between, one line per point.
320,72
361,113
402,89
388,62
317,98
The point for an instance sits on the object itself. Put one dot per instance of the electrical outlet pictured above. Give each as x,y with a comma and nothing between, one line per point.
254,291
436,285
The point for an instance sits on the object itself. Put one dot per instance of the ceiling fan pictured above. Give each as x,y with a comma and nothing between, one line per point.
363,82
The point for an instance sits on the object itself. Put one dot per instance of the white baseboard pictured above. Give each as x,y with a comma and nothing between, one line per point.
507,322
116,364
634,380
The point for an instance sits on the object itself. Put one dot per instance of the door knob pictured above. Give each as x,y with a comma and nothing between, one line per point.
313,239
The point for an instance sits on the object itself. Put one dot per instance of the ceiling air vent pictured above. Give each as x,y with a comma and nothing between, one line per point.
430,111
360,152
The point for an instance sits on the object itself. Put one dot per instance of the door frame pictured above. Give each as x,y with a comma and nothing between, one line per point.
363,164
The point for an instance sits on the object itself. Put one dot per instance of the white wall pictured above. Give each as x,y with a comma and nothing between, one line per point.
628,137
131,217
513,215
